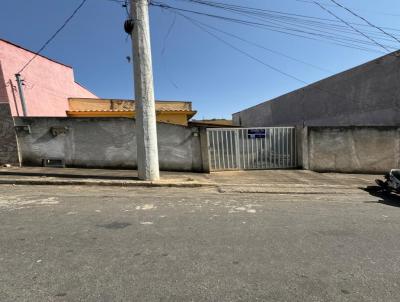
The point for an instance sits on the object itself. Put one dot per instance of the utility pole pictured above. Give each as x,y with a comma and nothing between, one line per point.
21,94
146,124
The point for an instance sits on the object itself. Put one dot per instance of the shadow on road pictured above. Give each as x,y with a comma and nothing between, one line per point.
386,197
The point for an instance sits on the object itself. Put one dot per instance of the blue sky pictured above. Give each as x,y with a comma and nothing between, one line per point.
189,63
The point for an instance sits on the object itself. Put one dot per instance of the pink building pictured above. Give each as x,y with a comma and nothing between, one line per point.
47,84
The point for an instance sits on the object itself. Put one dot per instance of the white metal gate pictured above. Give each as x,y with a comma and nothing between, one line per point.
252,148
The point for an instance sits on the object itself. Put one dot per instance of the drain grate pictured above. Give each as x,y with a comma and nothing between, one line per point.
53,162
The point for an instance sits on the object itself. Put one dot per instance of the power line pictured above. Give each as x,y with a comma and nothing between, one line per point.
351,26
163,64
194,22
326,37
54,35
291,24
199,25
273,13
171,27
357,9
124,4
117,1
365,20
265,48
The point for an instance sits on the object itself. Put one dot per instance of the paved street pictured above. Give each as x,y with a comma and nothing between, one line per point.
167,244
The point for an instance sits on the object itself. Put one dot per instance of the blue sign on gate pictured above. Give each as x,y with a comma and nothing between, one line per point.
256,133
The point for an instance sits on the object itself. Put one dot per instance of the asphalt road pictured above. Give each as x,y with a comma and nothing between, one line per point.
143,244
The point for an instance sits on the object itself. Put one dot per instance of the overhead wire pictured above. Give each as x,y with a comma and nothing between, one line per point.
171,27
243,52
351,26
272,13
246,10
265,48
53,36
315,26
365,20
342,41
117,1
164,48
358,9
269,66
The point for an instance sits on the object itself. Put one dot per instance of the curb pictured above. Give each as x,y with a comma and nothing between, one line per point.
65,175
222,188
290,189
306,191
147,184
40,182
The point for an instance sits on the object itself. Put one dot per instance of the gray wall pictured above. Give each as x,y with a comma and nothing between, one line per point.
8,143
351,149
106,143
366,95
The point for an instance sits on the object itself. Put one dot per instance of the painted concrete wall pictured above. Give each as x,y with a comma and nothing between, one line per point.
351,149
48,84
106,143
366,95
8,142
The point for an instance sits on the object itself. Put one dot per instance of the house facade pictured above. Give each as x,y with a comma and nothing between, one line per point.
66,122
50,90
47,84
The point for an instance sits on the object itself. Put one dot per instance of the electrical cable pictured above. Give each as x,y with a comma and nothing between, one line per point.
194,22
275,26
53,36
342,41
365,20
351,26
197,24
357,9
272,13
265,48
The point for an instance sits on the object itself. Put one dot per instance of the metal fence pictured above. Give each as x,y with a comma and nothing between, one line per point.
252,148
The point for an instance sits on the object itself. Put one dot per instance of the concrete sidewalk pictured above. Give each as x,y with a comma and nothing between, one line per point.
262,181
96,177
291,182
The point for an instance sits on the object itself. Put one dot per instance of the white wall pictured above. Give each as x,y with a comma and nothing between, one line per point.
351,149
106,143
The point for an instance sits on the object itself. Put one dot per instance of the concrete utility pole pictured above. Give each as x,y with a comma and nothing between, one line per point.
21,94
146,125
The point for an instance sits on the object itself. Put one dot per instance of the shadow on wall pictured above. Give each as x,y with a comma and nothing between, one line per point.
8,143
